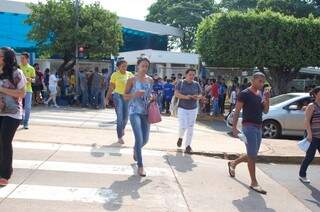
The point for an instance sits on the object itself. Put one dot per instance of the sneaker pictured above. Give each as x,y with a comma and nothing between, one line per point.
188,150
304,179
179,143
3,182
56,106
211,114
26,127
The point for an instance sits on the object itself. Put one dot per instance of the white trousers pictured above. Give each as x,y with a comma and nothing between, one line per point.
187,119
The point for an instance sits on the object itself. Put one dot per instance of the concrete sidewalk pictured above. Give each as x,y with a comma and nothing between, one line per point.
97,128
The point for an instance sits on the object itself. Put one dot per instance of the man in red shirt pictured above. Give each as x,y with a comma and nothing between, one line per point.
215,98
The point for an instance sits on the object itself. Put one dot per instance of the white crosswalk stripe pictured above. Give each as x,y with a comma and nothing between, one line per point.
45,181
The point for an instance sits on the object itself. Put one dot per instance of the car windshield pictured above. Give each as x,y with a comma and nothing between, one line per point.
282,98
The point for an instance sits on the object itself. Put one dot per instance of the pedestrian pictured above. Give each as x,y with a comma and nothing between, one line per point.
312,126
30,75
139,92
104,81
158,90
96,88
233,98
83,85
117,90
214,98
168,93
37,86
222,96
53,89
252,106
12,90
188,92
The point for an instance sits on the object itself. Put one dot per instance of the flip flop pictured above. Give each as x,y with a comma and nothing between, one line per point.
231,170
258,189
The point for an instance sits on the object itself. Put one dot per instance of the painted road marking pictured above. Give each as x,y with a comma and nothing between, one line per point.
88,168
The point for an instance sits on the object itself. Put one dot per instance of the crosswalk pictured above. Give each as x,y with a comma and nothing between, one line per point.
85,177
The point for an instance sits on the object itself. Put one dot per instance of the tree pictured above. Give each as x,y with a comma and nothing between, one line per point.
55,32
238,5
183,14
282,44
297,8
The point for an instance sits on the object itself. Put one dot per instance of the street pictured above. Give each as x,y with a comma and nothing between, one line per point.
56,173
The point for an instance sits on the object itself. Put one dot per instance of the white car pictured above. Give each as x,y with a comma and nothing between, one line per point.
285,117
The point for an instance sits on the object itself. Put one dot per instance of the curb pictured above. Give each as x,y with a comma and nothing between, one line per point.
261,158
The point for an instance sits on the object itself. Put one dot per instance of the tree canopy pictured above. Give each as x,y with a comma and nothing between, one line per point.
183,14
55,32
297,8
282,44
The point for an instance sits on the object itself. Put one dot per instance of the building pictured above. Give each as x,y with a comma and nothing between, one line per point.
140,37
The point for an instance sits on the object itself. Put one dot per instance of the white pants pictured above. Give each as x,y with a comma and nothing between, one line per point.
187,119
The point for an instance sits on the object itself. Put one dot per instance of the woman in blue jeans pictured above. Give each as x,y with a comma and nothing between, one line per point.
116,90
312,125
139,92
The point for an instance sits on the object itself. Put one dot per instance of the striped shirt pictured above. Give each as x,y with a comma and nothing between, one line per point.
315,121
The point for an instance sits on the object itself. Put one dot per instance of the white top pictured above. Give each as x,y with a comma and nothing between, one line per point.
11,106
53,80
233,97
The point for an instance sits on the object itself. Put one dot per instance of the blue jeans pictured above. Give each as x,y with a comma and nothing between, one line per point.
254,138
27,108
84,97
159,101
121,107
102,98
314,146
215,107
141,131
95,97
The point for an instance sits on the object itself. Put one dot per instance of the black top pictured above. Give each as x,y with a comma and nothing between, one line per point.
252,107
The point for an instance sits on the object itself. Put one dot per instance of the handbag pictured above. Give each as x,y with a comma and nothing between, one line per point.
304,144
154,115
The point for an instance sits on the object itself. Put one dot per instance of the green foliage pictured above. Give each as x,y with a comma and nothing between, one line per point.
54,29
238,5
297,8
183,14
283,44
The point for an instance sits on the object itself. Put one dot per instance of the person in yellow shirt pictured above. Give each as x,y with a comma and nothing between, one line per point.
30,74
116,90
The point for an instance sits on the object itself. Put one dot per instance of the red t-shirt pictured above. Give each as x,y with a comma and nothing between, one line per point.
215,91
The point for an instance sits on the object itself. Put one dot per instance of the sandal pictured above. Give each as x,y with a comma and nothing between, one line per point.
232,170
258,189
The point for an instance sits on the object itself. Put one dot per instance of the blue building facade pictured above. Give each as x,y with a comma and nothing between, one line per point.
14,33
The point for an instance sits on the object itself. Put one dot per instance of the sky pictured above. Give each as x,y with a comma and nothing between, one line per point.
137,9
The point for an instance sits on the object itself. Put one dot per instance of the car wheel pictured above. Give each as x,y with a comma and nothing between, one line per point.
271,129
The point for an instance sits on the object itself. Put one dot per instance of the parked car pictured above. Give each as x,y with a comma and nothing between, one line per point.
285,117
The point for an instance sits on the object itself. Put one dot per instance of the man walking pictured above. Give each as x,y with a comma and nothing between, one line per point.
252,105
30,74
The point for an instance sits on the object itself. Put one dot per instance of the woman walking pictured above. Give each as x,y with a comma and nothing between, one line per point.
12,91
312,125
139,92
53,84
188,92
116,90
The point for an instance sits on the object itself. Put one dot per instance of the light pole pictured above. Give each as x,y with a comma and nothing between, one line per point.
77,11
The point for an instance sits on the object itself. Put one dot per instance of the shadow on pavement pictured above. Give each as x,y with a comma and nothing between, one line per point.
99,152
315,193
252,202
181,162
107,124
119,189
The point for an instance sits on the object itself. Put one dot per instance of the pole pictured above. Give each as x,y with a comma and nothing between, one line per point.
77,11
